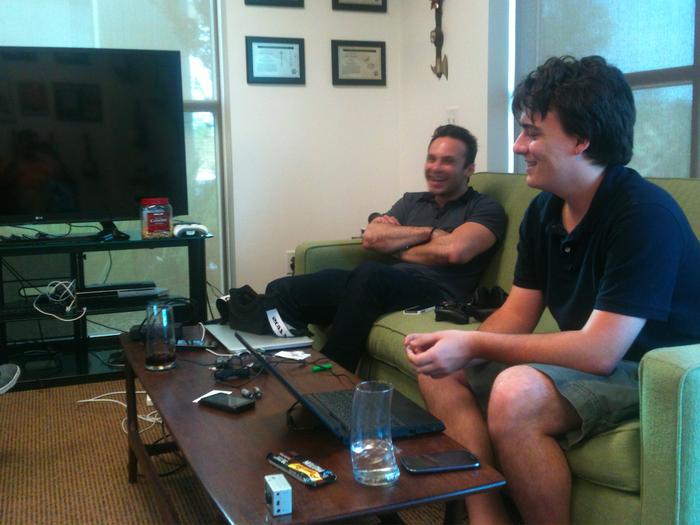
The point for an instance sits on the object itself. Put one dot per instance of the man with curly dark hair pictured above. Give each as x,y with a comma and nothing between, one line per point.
613,258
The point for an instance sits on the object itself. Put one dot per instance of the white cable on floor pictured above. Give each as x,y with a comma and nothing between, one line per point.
152,417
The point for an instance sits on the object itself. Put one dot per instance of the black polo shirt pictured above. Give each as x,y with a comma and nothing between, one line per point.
634,253
457,282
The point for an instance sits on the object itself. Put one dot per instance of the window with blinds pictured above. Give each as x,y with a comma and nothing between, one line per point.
652,42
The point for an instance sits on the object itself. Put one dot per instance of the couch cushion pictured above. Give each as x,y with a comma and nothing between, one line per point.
514,194
386,338
385,341
611,459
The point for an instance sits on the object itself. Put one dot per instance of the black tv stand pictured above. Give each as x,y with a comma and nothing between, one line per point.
44,240
76,347
110,232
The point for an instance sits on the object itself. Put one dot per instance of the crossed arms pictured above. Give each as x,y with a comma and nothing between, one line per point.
425,245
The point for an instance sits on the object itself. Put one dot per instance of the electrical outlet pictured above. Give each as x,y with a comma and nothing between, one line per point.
453,116
289,262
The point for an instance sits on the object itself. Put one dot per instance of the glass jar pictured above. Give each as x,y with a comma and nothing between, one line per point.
156,219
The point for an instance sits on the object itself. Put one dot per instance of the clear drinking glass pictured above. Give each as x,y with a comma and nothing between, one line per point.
371,448
160,337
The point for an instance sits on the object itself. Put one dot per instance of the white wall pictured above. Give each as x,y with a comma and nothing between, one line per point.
474,51
312,162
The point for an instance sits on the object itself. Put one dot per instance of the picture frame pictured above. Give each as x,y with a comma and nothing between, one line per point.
273,60
376,6
358,63
277,3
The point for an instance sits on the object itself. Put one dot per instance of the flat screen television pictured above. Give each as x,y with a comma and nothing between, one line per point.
85,134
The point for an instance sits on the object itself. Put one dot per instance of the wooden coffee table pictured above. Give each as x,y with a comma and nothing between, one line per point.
227,452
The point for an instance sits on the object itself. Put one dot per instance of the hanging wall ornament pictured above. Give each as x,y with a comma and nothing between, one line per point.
437,37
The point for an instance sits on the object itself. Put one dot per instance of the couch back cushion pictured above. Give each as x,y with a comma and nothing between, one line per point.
515,195
343,254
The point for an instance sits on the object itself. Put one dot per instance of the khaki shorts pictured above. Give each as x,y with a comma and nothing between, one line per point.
602,402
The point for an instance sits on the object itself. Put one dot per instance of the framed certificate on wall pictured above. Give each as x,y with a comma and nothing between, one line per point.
358,63
280,3
272,60
378,6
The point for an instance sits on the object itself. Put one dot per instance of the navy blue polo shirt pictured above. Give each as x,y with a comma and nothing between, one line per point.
634,253
457,281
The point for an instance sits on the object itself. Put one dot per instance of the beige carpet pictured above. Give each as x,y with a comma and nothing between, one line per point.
66,463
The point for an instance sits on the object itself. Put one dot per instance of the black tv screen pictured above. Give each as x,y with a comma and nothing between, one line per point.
85,134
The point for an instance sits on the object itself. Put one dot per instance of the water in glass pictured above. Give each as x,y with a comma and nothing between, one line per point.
371,447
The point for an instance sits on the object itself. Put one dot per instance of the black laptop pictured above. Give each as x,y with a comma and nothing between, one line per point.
334,408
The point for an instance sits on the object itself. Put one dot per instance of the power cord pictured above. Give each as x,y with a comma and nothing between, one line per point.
60,293
152,417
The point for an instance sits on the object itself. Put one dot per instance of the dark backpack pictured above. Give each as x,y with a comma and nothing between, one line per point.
247,311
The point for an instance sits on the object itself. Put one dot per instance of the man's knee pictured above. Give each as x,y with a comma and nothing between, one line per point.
523,397
317,282
278,285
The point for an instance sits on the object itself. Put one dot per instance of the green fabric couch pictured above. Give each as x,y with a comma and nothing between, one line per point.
646,471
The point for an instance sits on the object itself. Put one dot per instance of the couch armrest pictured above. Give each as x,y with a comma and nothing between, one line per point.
344,254
670,422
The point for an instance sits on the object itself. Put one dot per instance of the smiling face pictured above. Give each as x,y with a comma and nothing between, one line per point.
445,172
551,155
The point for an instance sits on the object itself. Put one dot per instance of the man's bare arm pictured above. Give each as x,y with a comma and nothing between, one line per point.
519,314
459,247
597,348
426,245
385,235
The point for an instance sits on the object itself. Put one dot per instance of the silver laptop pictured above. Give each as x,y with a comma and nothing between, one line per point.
226,336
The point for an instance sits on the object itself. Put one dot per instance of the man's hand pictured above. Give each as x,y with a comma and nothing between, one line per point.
386,235
388,219
439,354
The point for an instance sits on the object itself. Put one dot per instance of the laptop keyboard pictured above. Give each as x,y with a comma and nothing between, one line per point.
339,402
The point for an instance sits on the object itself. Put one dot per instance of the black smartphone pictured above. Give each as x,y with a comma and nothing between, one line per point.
440,461
228,403
417,310
196,344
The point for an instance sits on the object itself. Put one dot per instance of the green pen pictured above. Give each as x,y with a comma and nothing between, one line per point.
322,367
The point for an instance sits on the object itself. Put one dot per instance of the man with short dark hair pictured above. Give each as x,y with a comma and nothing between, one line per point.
613,258
441,241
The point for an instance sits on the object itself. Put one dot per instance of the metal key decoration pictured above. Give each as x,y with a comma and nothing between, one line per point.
437,37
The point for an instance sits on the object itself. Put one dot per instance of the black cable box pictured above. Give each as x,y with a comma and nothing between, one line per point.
117,286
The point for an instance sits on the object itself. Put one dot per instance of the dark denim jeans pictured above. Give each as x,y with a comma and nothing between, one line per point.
350,301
